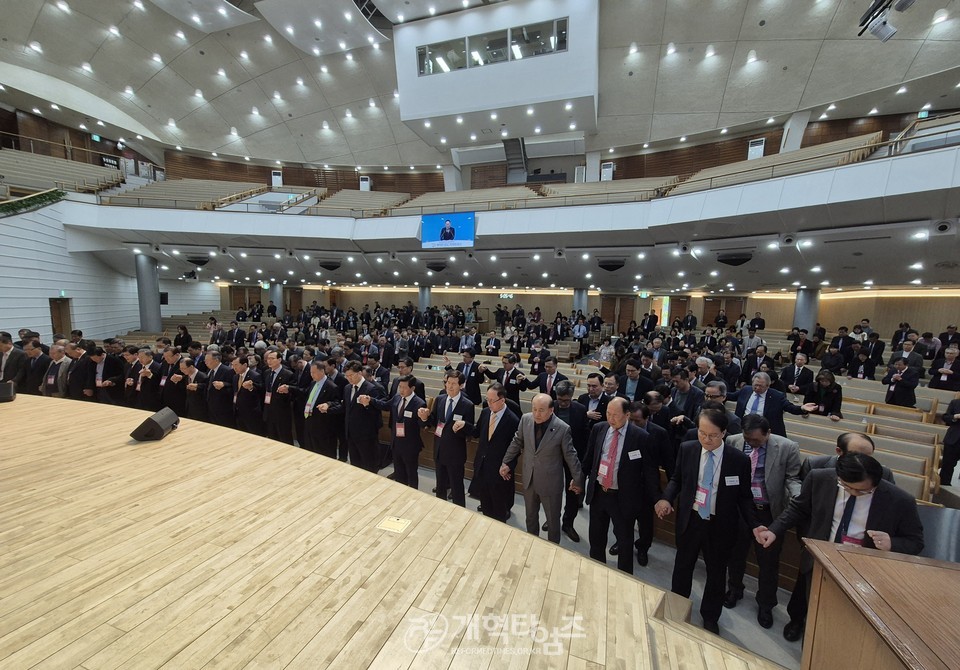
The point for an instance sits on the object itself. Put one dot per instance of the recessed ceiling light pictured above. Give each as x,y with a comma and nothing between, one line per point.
573,126
244,55
36,47
751,56
681,274
710,51
459,119
504,133
536,257
714,273
181,35
439,167
831,107
82,127
869,282
473,136
901,90
289,30
823,116
179,148
568,106
493,116
426,124
349,56
770,120
916,266
114,31
432,10
784,271
213,254
156,58
136,251
816,268
99,123
276,95
36,110
921,235
348,16
916,281
610,150
683,138
139,137
940,16
349,259
646,145
723,131
53,105
536,130
443,140
195,18
214,154
926,106
268,39
671,49
529,111
138,4
633,48
503,274
874,110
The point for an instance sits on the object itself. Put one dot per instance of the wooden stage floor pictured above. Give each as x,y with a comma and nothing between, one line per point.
215,549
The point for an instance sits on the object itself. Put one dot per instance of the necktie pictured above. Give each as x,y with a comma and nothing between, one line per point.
755,407
311,399
549,383
449,414
754,459
707,483
403,406
493,425
607,480
845,519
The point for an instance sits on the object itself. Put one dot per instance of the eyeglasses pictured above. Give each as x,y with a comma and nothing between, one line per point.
854,492
709,436
712,397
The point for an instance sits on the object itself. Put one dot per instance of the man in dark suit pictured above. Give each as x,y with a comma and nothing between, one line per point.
951,443
594,400
797,376
247,397
332,366
753,362
711,485
407,443
405,368
850,505
758,322
901,383
452,421
146,383
856,443
624,480
492,345
913,359
494,432
546,444
321,429
649,323
874,348
219,391
660,445
950,337
689,321
277,399
471,373
633,384
13,361
945,371
31,375
508,376
173,385
687,397
538,355
775,480
759,398
195,385
235,336
546,381
574,415
108,377
361,422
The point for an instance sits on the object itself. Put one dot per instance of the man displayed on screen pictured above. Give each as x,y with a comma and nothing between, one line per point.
448,232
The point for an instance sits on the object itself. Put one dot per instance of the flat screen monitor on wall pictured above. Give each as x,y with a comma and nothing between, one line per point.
447,231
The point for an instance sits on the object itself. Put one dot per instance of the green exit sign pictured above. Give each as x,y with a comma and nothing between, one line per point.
63,294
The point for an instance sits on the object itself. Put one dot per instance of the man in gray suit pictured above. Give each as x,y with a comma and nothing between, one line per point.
55,378
546,444
775,480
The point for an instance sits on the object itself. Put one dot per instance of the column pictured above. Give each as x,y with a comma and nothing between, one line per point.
276,295
580,301
424,298
793,131
593,166
807,308
452,179
148,293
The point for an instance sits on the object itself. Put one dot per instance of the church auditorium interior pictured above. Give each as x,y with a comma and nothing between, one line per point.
443,333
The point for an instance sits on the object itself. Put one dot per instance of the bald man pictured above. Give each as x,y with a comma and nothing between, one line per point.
546,443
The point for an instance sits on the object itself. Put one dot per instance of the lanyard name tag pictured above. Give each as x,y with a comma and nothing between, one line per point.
266,398
943,378
821,409
439,429
701,496
50,380
757,492
859,375
602,470
846,539
892,386
163,380
401,429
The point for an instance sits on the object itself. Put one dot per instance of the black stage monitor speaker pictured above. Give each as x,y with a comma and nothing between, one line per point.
8,392
157,426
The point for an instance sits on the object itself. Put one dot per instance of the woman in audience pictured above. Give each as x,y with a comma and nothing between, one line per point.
672,343
183,339
741,325
824,396
775,382
819,347
212,324
633,331
605,352
858,335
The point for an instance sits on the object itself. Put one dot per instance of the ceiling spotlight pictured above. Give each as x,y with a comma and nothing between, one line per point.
268,39
633,48
114,31
493,116
326,125
100,123
770,120
926,106
568,106
289,30
196,18
751,56
671,49
443,140
646,145
723,131
459,119
214,154
156,58
831,107
316,51
426,124
222,72
473,137
82,127
371,103
198,93
940,16
573,126
349,56
181,35
36,47
128,90
710,51
244,55
503,133
53,105
536,130
324,69
683,138
823,116
901,90
873,111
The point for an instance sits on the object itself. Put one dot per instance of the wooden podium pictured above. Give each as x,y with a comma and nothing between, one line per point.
880,610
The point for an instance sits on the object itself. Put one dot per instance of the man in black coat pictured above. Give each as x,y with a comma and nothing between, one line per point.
662,452
12,359
320,431
827,506
508,376
759,398
495,493
195,385
405,368
624,480
901,382
407,443
471,373
173,385
80,379
452,420
546,381
31,375
277,399
107,377
146,383
711,488
574,415
951,443
247,397
361,423
594,400
220,381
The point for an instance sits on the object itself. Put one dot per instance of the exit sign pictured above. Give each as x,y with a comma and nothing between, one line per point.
506,296
95,137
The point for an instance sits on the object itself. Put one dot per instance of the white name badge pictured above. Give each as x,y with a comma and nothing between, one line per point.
50,380
457,417
438,431
513,381
266,398
701,497
757,493
408,414
732,480
602,470
634,455
163,380
401,430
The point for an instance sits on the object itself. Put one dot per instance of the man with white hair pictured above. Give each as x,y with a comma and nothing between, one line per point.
705,370
760,399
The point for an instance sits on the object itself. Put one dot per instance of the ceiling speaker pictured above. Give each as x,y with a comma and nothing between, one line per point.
735,259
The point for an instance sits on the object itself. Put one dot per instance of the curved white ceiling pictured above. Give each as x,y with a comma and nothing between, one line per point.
807,56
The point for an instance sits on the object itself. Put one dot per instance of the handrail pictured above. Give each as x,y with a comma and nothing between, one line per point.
312,193
70,147
227,199
21,204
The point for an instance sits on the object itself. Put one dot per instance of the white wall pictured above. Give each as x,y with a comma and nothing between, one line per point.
36,266
560,76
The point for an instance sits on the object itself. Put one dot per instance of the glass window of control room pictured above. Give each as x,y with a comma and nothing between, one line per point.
497,46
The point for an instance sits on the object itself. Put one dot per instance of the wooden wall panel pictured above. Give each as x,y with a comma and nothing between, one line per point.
691,159
488,176
820,132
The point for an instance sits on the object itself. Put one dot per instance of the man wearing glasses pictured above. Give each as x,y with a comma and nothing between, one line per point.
852,504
